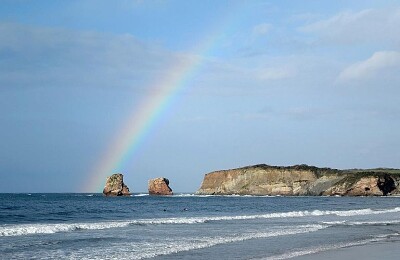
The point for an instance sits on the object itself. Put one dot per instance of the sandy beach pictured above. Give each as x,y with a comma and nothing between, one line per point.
388,249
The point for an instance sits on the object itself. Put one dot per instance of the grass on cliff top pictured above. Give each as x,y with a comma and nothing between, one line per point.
376,170
356,174
301,167
324,171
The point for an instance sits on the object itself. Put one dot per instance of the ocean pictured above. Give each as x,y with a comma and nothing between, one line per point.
186,226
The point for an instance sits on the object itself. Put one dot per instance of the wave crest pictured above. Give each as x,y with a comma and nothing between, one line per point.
29,229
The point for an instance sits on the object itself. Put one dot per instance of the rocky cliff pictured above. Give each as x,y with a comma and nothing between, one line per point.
301,180
368,183
115,186
159,186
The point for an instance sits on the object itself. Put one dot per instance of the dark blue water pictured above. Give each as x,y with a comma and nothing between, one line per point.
90,226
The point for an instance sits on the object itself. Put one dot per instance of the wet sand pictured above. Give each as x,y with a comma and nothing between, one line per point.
390,249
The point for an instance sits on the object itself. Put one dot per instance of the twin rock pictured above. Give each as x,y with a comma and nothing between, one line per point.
115,186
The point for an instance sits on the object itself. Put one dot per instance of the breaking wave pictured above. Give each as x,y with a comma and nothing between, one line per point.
145,250
140,195
29,229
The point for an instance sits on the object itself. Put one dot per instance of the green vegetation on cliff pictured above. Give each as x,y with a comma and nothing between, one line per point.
299,167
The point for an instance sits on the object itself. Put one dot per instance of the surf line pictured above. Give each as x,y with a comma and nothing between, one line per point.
162,94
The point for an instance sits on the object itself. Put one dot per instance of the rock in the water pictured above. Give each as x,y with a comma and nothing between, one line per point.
115,186
159,186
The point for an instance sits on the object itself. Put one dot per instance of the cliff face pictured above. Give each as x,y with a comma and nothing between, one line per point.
366,184
115,186
297,180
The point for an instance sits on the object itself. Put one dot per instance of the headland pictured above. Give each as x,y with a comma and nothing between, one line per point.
301,180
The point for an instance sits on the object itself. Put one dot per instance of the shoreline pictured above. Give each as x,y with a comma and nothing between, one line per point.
387,248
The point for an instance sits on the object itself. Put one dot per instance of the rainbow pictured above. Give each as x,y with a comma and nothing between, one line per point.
161,95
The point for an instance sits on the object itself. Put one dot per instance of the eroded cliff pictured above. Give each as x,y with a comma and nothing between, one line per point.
299,180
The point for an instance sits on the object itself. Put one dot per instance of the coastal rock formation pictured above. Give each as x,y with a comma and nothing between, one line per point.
367,184
269,180
159,186
301,180
115,186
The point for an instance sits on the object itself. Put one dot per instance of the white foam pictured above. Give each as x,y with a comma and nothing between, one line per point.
140,195
28,229
210,195
185,195
291,214
363,212
167,247
193,195
360,223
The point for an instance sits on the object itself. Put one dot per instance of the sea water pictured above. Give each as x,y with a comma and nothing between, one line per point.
186,226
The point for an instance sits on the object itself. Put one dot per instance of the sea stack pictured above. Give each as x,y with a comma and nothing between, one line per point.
159,186
115,186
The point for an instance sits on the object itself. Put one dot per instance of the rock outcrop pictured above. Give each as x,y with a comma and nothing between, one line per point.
159,186
115,186
301,180
366,184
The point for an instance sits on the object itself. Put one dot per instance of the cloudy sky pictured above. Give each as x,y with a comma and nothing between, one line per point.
275,82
